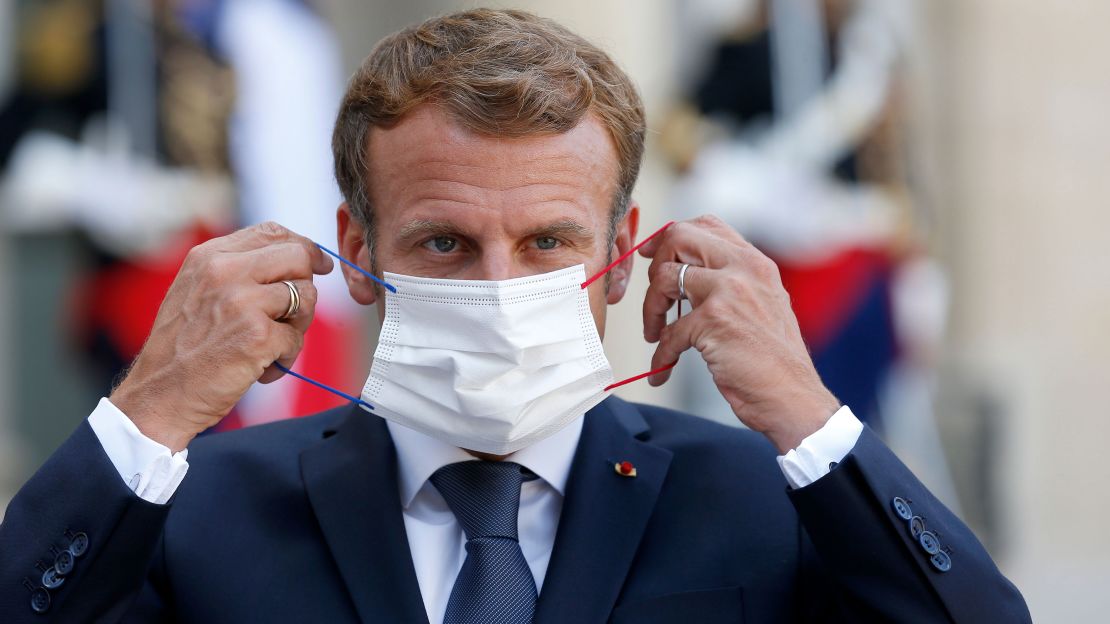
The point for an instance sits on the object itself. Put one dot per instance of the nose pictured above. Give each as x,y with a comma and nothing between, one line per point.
497,264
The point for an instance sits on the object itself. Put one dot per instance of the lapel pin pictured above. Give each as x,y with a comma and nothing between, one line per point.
625,469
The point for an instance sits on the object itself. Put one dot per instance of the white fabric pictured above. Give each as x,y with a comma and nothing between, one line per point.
829,444
799,54
145,465
288,85
436,540
492,366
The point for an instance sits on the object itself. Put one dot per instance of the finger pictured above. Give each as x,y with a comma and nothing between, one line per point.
307,311
656,306
696,283
647,249
674,340
721,229
688,242
251,237
287,342
276,298
281,261
265,234
662,292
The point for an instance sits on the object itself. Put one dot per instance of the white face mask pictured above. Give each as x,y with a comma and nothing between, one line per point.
489,366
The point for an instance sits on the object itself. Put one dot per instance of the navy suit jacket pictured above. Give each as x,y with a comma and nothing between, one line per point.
300,521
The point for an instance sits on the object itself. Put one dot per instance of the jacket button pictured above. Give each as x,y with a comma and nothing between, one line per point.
902,508
929,542
51,579
917,527
80,544
941,561
40,600
64,562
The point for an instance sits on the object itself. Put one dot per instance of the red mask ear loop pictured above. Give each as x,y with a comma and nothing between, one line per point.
625,255
614,263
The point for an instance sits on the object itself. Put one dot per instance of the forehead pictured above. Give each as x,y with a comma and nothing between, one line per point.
429,157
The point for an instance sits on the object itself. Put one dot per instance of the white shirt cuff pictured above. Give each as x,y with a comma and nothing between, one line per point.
146,466
828,445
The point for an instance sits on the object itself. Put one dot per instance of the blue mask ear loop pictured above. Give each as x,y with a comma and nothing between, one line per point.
323,386
390,287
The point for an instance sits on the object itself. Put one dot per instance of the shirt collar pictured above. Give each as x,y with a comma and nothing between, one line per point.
420,455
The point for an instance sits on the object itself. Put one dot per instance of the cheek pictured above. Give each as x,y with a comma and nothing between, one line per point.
381,310
598,307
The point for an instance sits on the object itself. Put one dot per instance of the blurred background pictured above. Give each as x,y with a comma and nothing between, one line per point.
928,175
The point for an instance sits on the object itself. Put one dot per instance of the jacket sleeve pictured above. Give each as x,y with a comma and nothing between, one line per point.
76,527
890,551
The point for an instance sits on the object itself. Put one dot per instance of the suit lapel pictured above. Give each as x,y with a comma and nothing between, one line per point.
351,481
604,516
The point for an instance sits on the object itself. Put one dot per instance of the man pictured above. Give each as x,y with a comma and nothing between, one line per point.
483,156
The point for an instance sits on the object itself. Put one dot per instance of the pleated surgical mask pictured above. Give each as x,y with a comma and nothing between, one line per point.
489,366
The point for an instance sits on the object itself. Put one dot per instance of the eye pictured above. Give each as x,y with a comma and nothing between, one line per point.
442,244
547,242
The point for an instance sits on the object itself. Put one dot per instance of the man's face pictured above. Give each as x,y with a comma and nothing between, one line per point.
453,204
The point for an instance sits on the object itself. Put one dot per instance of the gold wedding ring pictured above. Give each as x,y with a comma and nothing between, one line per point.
682,282
294,301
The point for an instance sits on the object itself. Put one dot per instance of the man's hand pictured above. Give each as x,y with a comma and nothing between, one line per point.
742,324
216,331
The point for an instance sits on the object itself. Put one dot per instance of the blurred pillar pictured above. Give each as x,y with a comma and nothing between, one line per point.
1019,107
9,458
45,389
7,44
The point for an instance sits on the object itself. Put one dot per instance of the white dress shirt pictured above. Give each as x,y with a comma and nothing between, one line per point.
436,539
146,466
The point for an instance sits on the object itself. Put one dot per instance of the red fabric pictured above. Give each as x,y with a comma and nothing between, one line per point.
327,358
824,295
122,299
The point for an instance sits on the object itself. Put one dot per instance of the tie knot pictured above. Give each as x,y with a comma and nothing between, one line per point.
483,495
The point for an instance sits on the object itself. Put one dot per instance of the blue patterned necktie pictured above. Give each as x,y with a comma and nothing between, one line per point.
495,585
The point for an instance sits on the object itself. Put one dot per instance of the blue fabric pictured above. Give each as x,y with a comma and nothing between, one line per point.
495,585
855,363
301,521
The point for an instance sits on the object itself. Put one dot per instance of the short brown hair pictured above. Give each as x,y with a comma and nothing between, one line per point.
496,72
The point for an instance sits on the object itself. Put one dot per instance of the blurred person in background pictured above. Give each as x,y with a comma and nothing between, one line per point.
167,124
795,134
487,161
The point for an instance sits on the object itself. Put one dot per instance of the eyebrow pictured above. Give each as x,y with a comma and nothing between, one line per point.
425,227
564,228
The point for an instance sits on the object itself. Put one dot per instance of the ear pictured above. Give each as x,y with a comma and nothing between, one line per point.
624,240
352,246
